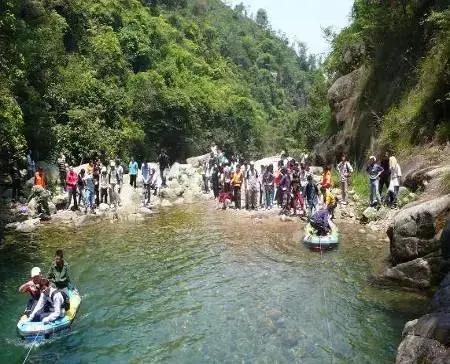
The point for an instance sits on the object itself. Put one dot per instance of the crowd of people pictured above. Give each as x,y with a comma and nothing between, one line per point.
290,185
49,299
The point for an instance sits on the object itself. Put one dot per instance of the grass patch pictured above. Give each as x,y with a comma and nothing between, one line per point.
359,182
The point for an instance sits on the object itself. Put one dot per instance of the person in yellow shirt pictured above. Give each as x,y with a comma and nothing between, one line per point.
330,202
236,182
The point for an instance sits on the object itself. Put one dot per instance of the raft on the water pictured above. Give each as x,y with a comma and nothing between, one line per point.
38,330
314,241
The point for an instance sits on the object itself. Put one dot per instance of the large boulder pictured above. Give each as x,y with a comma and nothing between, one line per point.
372,214
414,230
416,349
414,274
61,201
197,161
28,226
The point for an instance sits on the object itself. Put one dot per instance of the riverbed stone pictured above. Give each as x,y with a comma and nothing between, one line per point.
60,201
166,203
415,274
28,226
103,207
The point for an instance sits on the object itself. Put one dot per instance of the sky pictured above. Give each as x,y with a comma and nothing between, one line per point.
302,20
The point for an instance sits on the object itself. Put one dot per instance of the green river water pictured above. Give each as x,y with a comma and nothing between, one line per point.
196,285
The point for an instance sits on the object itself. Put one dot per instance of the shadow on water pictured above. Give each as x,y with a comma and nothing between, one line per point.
198,285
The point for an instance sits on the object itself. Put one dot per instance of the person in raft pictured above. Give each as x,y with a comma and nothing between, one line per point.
321,221
52,305
32,287
59,271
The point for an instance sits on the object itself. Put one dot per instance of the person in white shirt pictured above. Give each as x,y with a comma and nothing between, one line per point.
395,180
345,169
51,305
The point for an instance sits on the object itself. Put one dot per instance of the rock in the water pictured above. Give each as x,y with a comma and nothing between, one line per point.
416,349
166,203
414,230
28,226
415,274
179,201
146,211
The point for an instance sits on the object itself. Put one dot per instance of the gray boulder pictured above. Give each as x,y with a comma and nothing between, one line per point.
372,214
28,226
415,274
60,201
416,349
197,161
414,230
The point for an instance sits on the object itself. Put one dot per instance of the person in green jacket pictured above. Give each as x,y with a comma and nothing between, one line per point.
59,271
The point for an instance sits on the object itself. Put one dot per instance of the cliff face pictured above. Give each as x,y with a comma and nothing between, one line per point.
393,93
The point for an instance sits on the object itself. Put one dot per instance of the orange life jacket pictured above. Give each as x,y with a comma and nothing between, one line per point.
39,180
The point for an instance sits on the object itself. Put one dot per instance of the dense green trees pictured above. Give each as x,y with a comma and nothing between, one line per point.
128,77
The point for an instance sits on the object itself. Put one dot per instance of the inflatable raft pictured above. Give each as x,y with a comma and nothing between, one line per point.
314,241
38,330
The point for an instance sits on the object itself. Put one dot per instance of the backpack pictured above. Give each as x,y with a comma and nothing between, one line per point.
66,302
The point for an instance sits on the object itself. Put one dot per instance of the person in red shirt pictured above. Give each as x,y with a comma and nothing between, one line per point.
32,288
71,185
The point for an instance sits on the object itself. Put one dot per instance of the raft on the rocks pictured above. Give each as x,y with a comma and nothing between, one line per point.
314,241
35,331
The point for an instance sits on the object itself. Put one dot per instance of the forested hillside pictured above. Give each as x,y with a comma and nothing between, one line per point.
121,77
392,73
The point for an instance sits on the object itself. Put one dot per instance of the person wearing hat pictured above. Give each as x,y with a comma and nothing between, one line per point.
71,186
374,171
32,287
253,186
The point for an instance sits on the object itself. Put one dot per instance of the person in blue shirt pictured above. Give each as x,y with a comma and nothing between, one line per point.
374,171
133,171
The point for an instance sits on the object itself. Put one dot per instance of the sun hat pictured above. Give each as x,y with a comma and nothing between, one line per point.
35,271
373,157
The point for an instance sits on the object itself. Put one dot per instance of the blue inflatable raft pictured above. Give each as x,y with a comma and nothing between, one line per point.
326,242
37,330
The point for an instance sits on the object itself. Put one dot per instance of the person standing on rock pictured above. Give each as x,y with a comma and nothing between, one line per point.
261,186
112,181
236,182
62,171
96,177
16,181
252,178
71,184
133,171
119,170
374,171
89,191
40,179
31,166
164,165
206,176
344,169
146,179
385,176
80,185
268,180
215,180
312,195
395,179
325,183
104,186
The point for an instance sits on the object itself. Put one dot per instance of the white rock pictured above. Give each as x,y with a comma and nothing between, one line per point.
166,203
103,207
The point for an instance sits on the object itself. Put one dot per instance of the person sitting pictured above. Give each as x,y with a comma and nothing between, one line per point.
320,221
52,305
59,271
32,287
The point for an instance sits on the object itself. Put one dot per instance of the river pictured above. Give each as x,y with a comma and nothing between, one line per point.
196,285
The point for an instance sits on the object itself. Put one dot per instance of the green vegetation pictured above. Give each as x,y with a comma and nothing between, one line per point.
405,48
121,77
